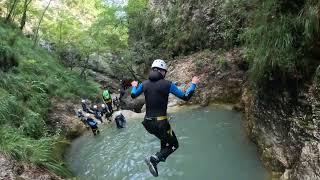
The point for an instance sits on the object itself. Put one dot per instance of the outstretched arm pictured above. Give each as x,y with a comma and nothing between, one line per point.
136,90
188,94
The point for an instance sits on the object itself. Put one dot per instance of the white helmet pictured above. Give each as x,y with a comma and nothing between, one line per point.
79,110
95,106
103,105
159,63
83,101
87,115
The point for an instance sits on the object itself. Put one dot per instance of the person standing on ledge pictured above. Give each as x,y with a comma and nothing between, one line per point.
156,91
107,99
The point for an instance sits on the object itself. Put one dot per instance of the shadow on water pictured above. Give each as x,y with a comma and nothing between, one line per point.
213,145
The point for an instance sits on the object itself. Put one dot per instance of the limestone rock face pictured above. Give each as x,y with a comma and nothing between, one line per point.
286,132
308,166
222,77
128,103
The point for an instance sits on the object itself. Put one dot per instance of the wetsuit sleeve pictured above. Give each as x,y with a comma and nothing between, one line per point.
180,94
136,91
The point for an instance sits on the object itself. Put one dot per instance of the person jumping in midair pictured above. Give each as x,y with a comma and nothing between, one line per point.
156,91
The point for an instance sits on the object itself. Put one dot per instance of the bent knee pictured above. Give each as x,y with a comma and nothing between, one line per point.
176,145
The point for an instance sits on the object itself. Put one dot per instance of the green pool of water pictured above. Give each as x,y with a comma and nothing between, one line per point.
213,146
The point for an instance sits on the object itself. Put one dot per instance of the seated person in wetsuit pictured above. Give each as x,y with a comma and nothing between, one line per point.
120,120
116,103
97,113
93,124
80,115
85,106
104,110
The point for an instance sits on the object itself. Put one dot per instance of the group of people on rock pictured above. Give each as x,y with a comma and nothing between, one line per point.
99,111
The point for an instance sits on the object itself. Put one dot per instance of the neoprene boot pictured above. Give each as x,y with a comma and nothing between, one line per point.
152,163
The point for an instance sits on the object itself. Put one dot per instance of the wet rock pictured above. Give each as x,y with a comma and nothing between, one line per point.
308,166
105,80
127,103
129,115
286,175
63,118
6,168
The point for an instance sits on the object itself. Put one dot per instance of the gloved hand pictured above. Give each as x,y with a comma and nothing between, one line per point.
195,80
134,83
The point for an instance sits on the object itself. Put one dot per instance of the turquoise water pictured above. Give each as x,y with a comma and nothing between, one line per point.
213,146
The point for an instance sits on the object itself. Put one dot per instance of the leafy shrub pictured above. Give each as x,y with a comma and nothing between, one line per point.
38,152
7,58
199,65
10,111
222,63
280,34
25,100
33,125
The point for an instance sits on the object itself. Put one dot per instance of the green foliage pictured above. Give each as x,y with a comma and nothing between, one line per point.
33,125
230,18
25,100
200,64
276,34
309,21
10,111
203,59
144,47
278,39
222,63
182,31
76,32
38,152
7,58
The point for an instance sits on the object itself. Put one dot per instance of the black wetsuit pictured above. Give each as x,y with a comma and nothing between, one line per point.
81,117
85,108
120,121
97,114
156,91
116,103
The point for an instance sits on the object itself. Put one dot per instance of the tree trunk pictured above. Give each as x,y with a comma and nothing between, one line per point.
24,15
40,20
11,10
